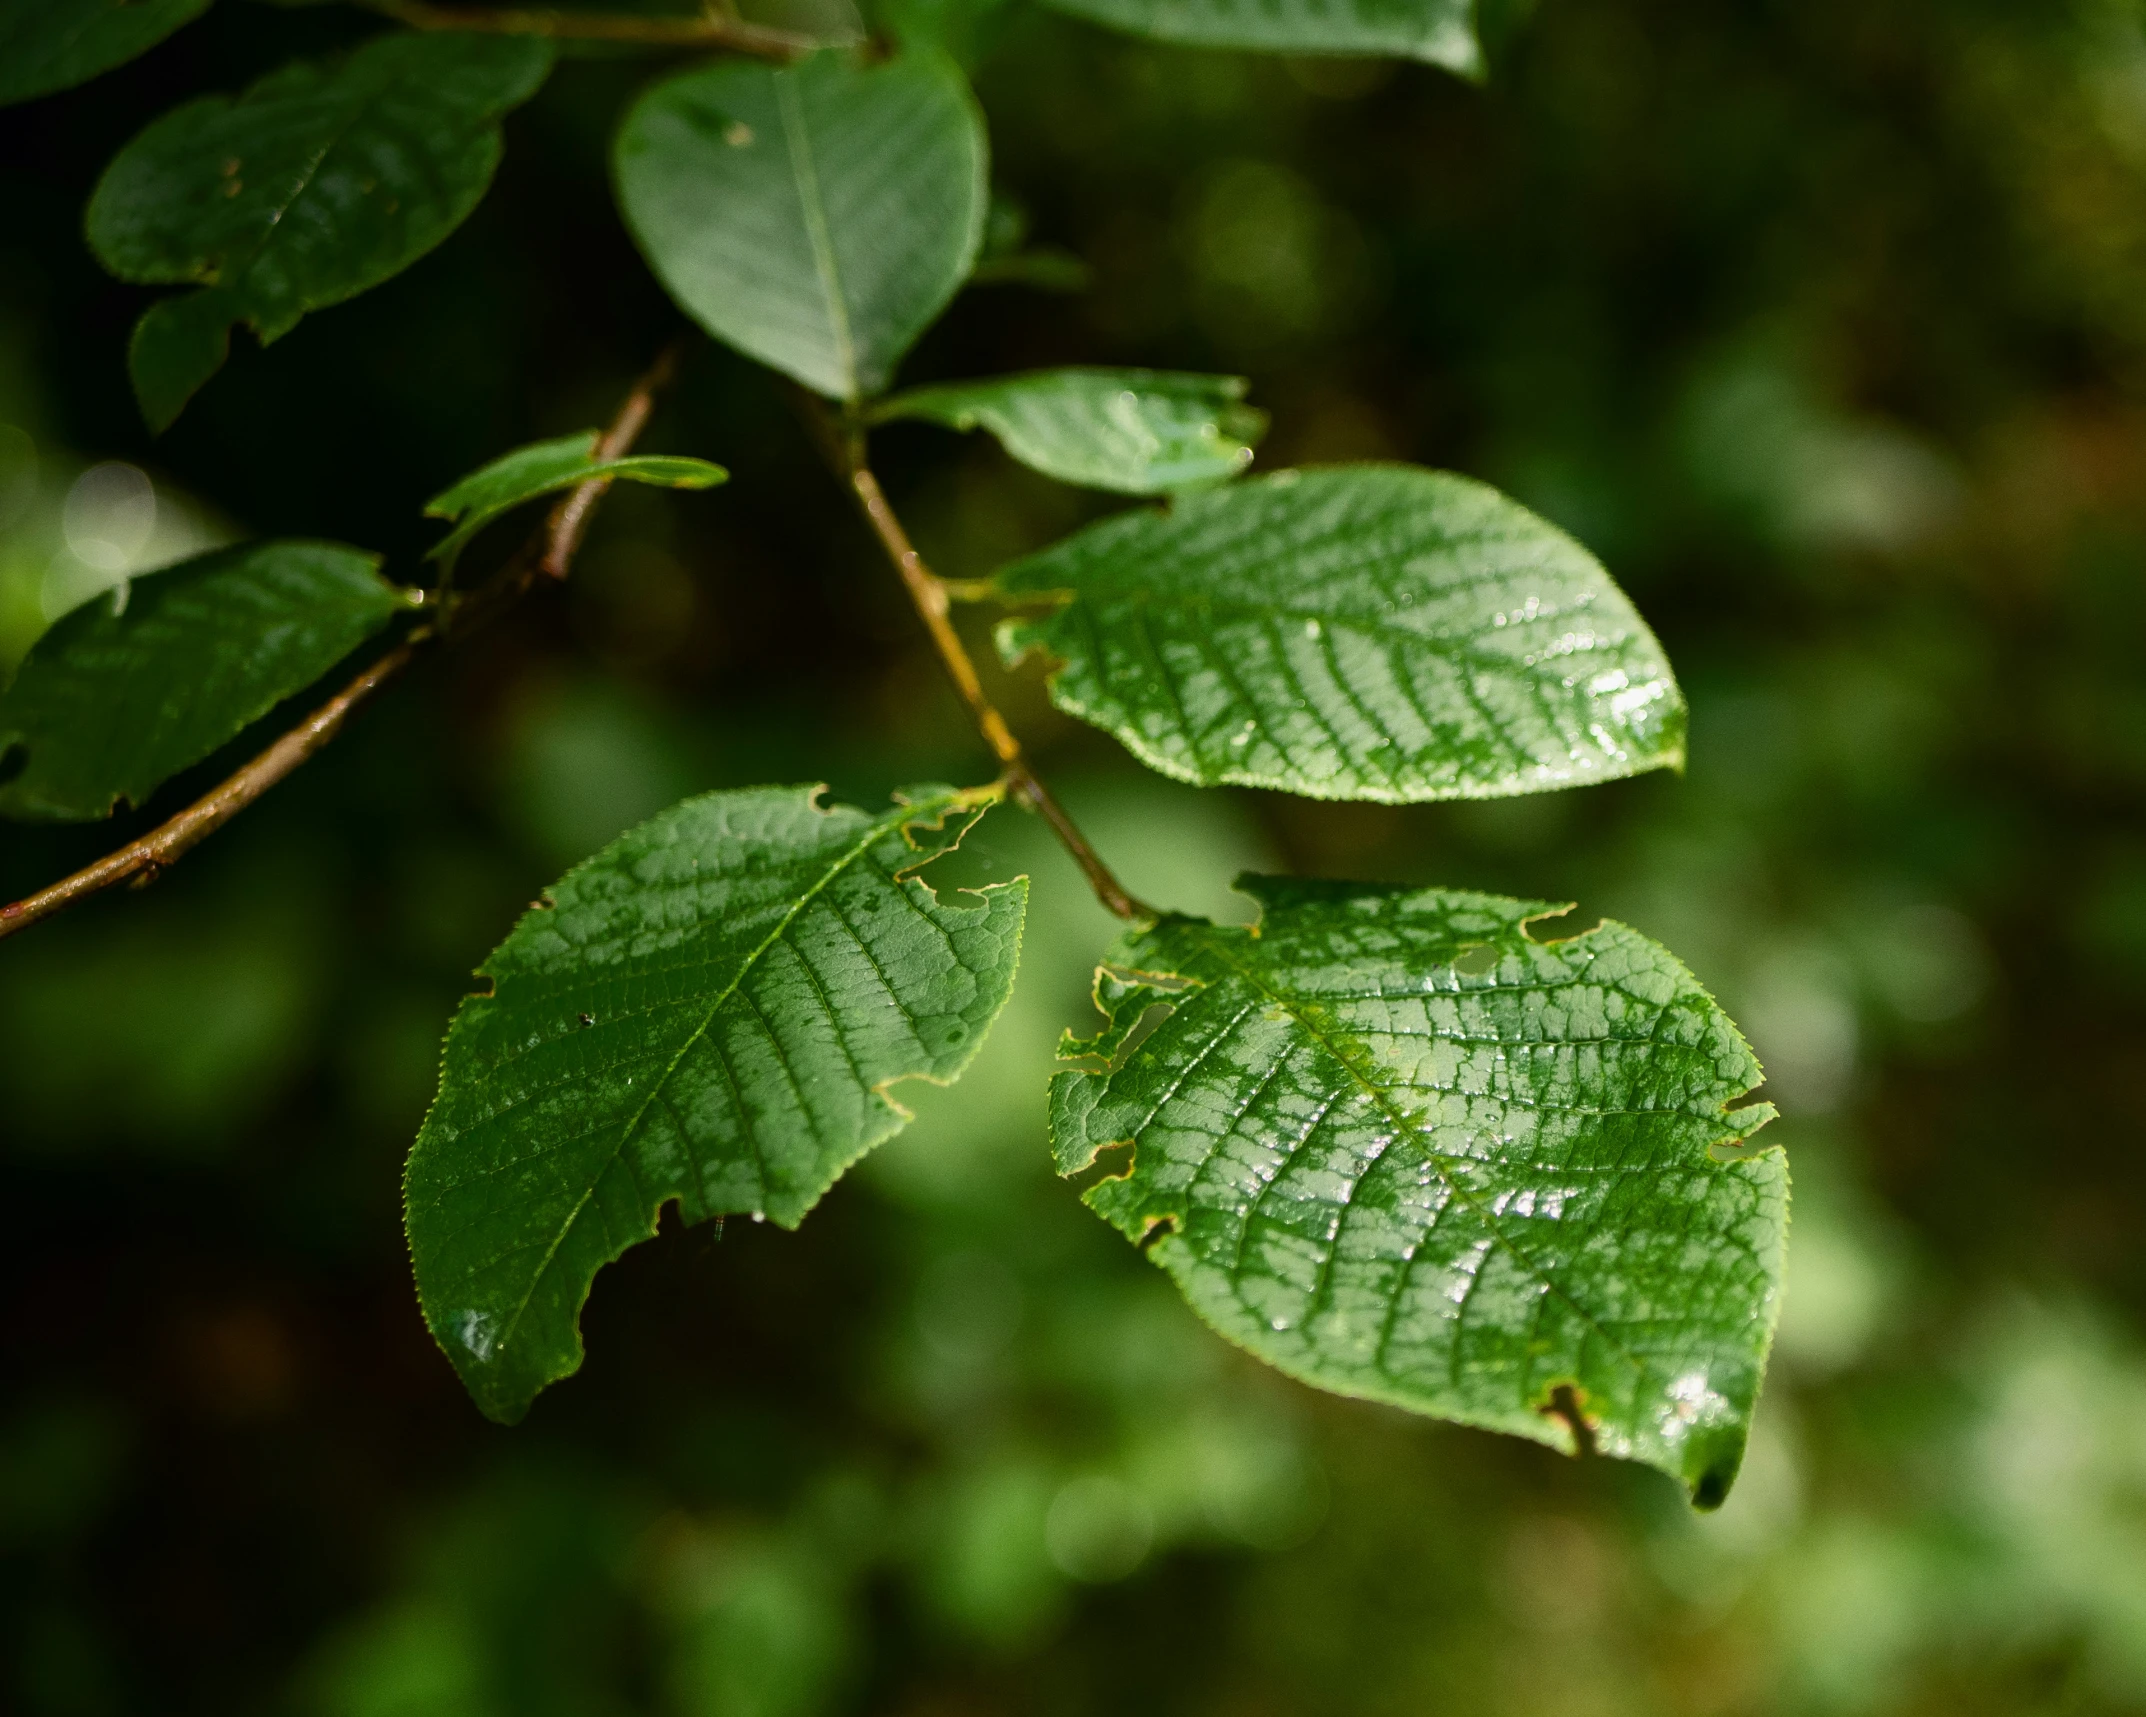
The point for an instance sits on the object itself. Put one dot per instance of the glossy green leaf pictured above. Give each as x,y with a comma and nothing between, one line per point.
712,1010
818,217
108,704
1355,632
1140,432
544,468
323,179
1399,1148
47,45
1440,31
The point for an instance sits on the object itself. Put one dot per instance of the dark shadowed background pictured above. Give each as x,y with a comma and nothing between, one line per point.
1822,321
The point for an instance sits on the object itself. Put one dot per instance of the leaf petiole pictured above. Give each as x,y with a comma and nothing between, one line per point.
931,596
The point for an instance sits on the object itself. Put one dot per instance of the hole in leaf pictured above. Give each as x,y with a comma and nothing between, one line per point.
1158,1228
1477,960
959,874
1144,1028
1112,1162
1527,926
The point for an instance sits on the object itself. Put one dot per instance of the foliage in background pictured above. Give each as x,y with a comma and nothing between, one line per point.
1822,328
1500,1191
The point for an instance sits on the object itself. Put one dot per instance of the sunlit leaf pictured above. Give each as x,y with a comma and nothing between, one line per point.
543,468
1396,1146
107,705
816,217
1441,31
323,179
1140,432
713,1010
54,44
1356,632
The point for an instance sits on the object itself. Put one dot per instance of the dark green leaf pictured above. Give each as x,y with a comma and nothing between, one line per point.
963,28
1140,432
1441,31
817,218
543,468
107,705
712,1010
321,180
55,44
1357,632
1402,1150
1046,268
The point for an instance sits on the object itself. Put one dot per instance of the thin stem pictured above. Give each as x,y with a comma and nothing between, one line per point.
551,550
570,519
1564,1405
707,31
142,861
928,592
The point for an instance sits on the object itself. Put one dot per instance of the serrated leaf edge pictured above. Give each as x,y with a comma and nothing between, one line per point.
1708,1489
909,815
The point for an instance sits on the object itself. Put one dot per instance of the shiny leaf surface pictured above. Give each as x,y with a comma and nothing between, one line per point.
1355,632
323,179
1399,1148
544,468
1140,432
47,45
107,705
819,217
712,1010
1440,31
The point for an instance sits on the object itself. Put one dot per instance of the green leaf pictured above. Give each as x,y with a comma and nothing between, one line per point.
1140,432
55,44
1401,1150
1356,632
108,704
544,467
1440,31
712,1010
963,28
818,218
321,180
1046,268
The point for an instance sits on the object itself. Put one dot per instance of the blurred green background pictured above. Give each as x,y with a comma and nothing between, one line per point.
1822,321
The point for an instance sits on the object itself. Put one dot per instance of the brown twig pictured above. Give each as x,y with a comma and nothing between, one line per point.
144,860
571,517
1565,1405
710,30
928,592
551,550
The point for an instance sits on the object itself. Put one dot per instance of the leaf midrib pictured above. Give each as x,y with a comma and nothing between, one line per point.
1458,641
805,178
1406,1126
879,827
228,278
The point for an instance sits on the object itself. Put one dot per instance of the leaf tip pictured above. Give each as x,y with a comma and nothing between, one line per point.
1711,1465
179,343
